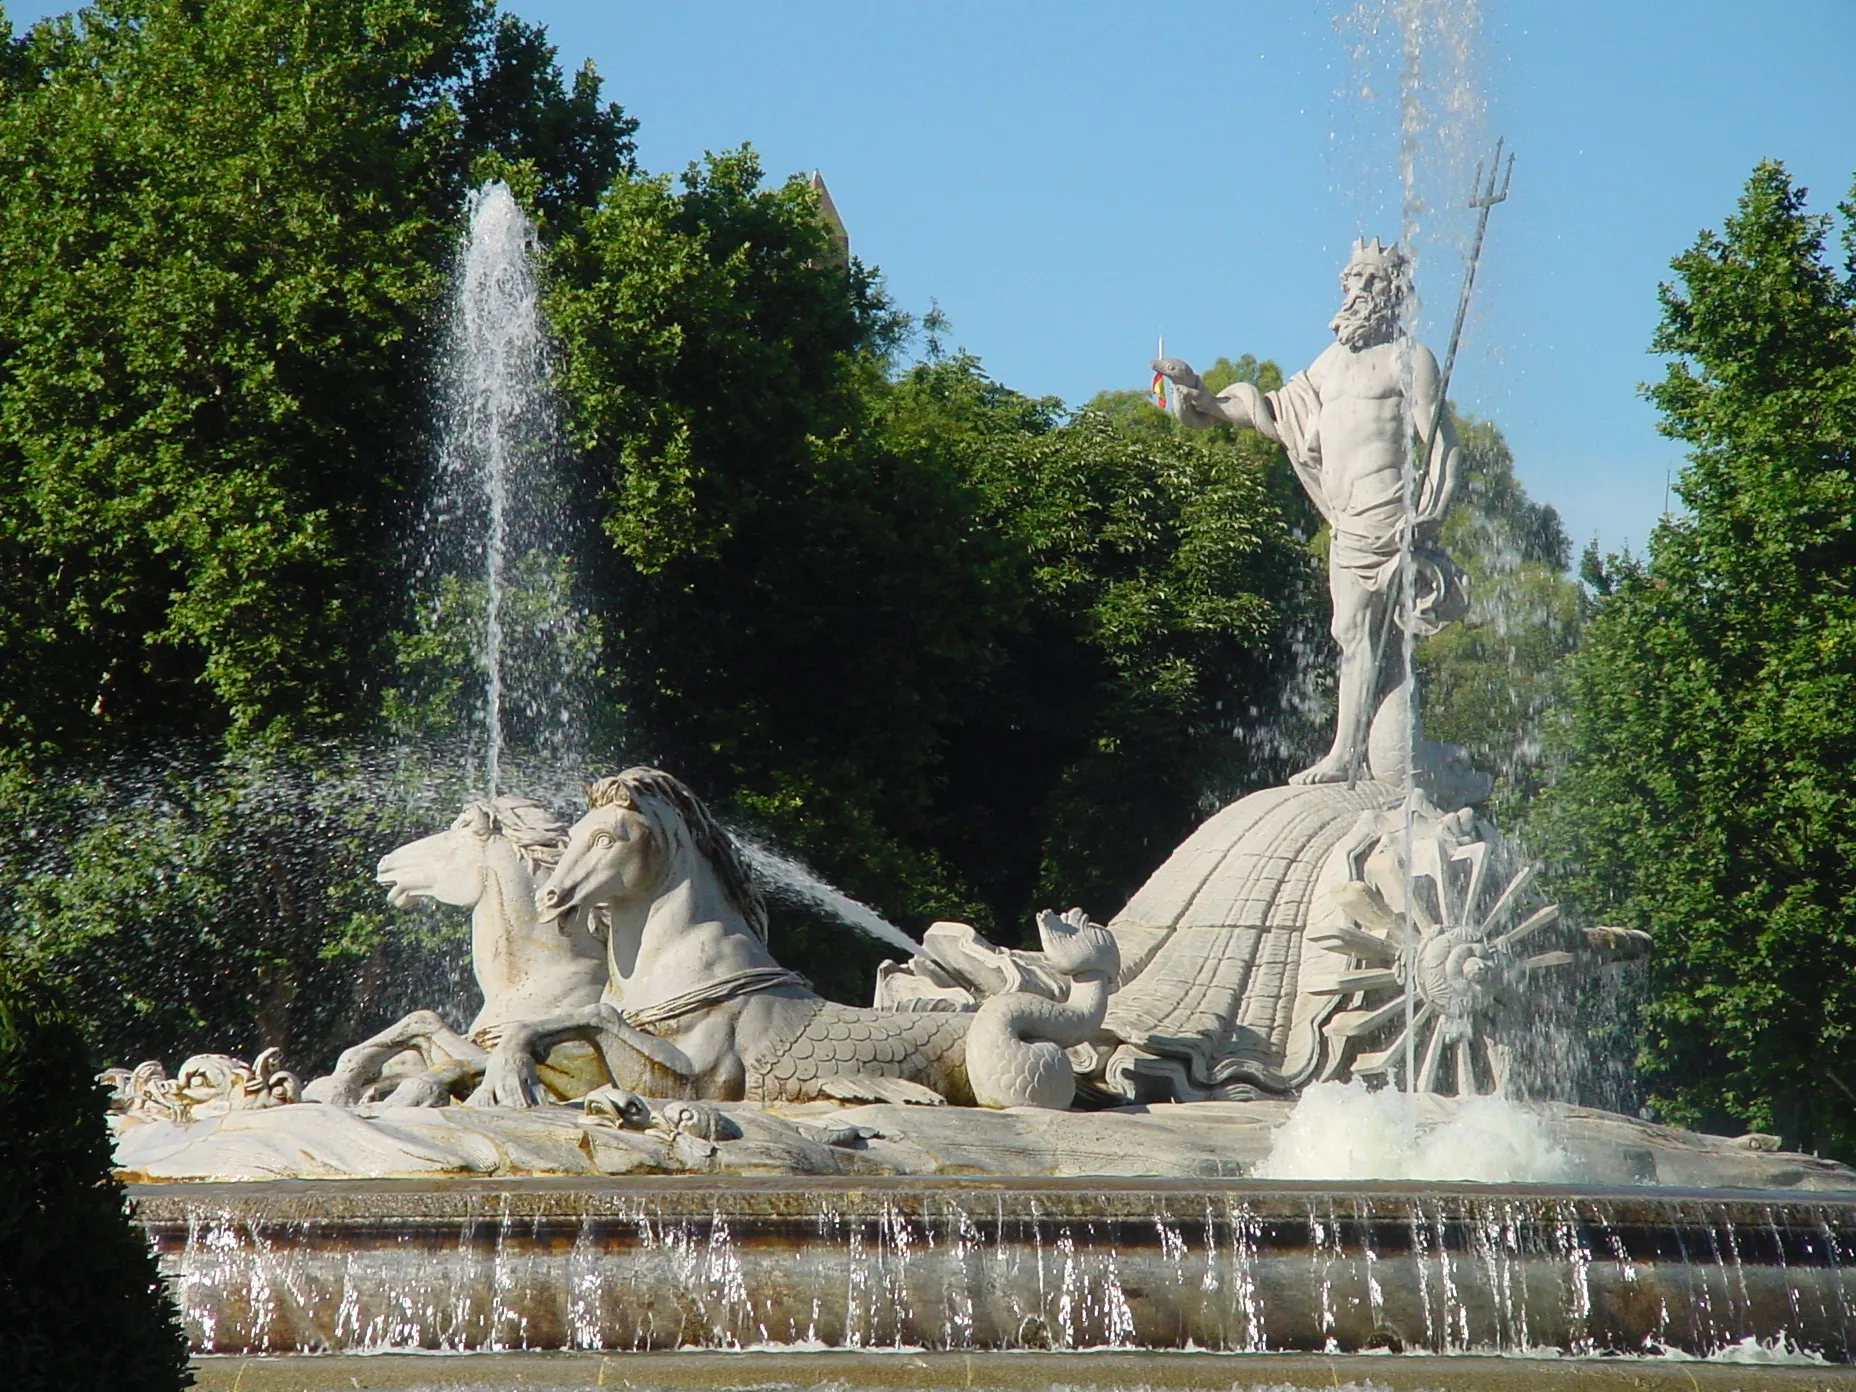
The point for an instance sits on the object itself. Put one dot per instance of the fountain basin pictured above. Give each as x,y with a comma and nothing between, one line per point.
989,1263
1100,1371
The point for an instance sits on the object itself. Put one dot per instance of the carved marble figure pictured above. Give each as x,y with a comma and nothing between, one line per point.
206,1085
491,860
696,1006
1349,423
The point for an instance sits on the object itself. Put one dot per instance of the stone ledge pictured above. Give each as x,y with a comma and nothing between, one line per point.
1197,1140
987,1372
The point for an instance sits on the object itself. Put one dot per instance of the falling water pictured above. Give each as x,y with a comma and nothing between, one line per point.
495,575
1413,159
1409,123
949,1264
1410,137
501,385
508,650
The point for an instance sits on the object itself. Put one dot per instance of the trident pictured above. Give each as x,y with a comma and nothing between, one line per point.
1483,196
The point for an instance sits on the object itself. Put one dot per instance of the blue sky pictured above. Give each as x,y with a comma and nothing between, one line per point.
1067,180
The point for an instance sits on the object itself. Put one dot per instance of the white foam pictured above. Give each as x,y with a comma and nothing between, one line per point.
1780,1351
1346,1131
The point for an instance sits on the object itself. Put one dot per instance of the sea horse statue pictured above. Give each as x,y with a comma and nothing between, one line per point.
696,1007
489,860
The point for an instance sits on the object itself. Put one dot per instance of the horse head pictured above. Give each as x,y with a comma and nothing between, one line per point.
645,830
450,866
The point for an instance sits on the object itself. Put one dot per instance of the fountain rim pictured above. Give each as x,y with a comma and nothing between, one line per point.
719,1189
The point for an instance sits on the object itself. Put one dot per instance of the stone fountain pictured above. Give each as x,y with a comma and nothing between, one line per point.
655,1137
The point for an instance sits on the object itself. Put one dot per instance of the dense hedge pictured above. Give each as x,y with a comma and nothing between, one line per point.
81,1304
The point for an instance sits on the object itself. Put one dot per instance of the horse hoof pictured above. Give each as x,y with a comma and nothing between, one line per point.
422,1090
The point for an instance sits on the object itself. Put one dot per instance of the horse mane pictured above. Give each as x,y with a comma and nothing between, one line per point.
655,792
537,834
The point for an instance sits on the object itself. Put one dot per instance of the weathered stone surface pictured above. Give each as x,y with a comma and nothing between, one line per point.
695,1005
490,860
317,1141
1212,945
1201,1139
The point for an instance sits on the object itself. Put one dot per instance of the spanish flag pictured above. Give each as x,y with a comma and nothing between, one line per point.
1159,390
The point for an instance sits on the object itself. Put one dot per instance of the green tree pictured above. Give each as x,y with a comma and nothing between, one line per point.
1135,411
1157,581
224,226
1489,682
193,902
795,605
1711,714
886,618
81,1303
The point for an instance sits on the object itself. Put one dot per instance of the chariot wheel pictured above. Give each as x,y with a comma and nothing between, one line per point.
1433,986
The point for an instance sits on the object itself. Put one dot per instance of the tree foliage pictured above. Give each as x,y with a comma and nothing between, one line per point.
1489,682
191,900
886,619
1159,584
1711,737
82,1305
223,227
792,606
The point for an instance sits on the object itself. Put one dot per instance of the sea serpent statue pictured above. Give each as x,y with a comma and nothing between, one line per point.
696,1007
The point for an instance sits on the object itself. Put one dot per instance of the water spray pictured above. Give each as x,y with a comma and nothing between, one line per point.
790,878
1484,196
